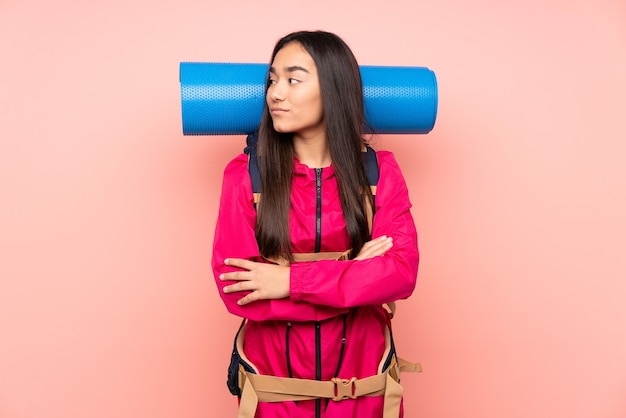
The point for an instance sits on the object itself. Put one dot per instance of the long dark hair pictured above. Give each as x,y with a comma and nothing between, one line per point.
342,98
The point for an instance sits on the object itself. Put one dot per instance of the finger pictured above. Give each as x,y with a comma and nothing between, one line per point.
383,247
374,241
239,287
239,262
236,276
375,249
377,245
251,297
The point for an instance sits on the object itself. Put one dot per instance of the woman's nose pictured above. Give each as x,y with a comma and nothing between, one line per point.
277,92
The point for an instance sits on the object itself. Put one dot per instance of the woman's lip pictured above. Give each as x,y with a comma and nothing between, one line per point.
277,110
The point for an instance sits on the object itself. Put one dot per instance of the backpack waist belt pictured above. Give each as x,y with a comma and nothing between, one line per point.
257,388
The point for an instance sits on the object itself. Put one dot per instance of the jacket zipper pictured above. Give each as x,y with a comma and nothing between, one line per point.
318,245
318,209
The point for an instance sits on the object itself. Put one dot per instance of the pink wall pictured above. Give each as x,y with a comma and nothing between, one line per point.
107,304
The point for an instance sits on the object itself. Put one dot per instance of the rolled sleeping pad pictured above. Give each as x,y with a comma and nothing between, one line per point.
228,98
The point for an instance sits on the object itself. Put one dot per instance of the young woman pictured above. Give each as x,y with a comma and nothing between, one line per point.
310,317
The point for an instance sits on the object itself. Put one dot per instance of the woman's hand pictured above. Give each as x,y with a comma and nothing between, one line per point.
377,246
263,280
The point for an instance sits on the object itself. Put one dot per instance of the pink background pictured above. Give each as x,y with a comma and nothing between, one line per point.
107,304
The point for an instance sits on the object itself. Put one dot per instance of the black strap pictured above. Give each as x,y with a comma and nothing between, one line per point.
371,166
372,171
253,163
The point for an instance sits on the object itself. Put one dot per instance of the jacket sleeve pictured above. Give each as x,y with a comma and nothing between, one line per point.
376,280
235,238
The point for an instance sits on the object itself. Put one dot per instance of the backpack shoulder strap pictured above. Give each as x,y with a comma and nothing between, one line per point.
253,166
371,169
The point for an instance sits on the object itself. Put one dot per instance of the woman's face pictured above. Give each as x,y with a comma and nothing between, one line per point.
294,97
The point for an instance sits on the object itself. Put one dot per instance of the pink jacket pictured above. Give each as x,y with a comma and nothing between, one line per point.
333,323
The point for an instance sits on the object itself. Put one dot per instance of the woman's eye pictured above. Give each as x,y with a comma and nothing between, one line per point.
270,81
293,81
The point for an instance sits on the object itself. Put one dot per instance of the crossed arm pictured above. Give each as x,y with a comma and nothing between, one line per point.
313,290
271,281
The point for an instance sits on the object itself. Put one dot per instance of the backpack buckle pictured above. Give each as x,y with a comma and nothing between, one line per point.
344,389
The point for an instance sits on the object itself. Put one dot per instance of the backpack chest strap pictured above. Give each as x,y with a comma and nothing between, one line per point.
308,257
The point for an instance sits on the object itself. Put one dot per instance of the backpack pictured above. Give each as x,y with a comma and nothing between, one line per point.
244,380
